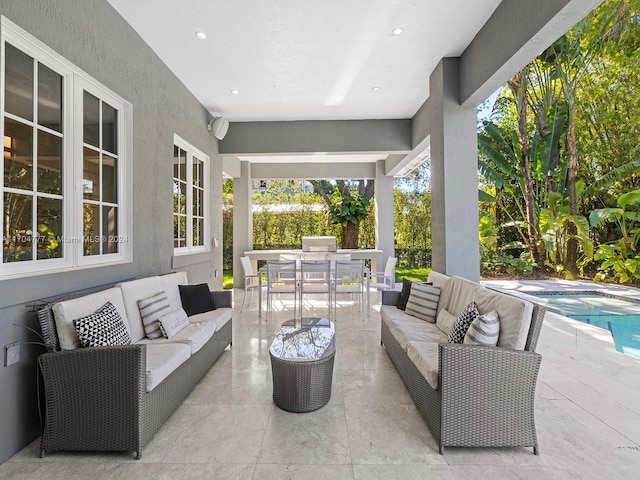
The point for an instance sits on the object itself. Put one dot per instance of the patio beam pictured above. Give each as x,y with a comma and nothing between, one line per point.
518,31
312,136
313,170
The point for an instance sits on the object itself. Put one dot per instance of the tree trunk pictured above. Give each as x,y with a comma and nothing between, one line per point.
518,86
571,258
350,233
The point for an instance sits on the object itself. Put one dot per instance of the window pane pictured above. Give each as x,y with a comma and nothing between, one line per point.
109,230
198,227
18,155
49,98
179,231
91,230
91,174
17,243
18,83
198,168
91,120
180,198
179,164
109,128
198,202
49,163
49,228
176,231
109,179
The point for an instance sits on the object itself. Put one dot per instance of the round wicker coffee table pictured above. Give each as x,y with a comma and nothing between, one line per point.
302,355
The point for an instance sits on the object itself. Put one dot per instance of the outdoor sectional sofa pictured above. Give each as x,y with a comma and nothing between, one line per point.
115,398
469,395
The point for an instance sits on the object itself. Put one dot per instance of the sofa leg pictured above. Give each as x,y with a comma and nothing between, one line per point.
138,454
42,453
441,449
535,450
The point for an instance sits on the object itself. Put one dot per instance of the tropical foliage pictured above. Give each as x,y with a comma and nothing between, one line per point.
560,144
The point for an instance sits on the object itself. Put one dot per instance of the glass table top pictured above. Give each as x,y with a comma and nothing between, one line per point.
306,339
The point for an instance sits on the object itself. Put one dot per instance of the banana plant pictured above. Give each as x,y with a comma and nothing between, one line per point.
554,223
620,257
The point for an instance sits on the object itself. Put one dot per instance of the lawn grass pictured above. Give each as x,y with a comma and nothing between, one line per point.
414,274
227,279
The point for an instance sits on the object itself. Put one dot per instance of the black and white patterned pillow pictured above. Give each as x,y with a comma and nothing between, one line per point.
102,328
468,315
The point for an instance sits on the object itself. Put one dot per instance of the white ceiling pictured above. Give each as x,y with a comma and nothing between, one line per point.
307,59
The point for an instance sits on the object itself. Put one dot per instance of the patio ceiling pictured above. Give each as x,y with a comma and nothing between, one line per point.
266,66
307,60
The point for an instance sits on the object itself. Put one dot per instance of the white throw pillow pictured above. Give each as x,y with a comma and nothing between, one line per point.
423,301
484,330
445,321
174,322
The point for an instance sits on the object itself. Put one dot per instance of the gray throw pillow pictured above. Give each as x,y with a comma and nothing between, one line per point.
423,302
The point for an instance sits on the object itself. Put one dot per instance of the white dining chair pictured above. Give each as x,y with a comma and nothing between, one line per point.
315,279
251,279
282,279
348,279
385,280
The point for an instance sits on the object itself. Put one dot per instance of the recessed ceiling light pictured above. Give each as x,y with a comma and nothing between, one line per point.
201,35
375,89
235,91
397,31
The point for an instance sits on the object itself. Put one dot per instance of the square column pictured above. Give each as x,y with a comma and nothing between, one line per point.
385,228
454,176
242,219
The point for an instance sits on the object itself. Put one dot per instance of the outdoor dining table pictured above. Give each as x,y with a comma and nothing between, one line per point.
262,271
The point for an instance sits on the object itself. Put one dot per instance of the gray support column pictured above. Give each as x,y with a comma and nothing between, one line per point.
242,220
385,230
454,176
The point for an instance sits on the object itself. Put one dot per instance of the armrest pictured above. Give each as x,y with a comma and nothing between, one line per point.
390,297
487,373
90,379
222,298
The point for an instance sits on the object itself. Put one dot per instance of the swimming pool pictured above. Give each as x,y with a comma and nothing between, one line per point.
621,317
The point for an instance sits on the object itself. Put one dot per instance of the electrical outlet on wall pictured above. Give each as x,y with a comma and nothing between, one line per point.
11,353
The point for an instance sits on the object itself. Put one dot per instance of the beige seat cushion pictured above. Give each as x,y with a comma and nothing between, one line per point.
67,311
220,315
514,314
424,356
163,359
410,329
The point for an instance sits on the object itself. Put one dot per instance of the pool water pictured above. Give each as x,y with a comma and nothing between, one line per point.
620,317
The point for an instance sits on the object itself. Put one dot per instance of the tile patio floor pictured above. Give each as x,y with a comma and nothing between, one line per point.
587,412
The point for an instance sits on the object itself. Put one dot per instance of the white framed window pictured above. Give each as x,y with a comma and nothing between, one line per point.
190,198
55,141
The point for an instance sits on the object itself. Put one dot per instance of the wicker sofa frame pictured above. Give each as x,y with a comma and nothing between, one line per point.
485,395
96,399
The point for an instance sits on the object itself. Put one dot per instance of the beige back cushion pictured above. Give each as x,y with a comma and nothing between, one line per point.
69,310
514,315
132,292
457,294
170,284
438,280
